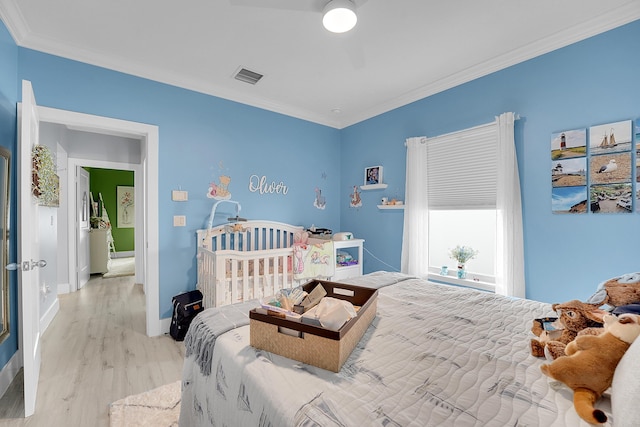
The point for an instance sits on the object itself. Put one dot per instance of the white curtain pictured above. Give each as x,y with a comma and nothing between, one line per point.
415,241
509,243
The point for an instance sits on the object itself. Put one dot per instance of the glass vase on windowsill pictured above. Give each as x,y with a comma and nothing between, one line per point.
462,272
462,254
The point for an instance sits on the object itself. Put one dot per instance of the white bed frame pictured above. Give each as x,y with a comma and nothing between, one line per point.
244,260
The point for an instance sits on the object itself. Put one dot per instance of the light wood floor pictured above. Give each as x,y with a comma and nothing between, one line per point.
95,352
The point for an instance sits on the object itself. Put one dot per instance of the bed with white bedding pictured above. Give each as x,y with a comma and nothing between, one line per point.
435,355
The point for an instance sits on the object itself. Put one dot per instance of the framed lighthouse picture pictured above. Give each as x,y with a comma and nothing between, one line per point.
569,172
568,144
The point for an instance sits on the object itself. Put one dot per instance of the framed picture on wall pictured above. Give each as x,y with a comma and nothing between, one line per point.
569,200
610,138
126,207
568,144
373,175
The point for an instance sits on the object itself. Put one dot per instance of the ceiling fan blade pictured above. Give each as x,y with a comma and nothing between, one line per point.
299,5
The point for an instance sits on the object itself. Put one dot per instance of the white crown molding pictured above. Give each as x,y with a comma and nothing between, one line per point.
613,19
22,35
17,26
14,20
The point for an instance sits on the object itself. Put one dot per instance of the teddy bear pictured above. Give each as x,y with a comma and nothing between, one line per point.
591,362
574,317
618,291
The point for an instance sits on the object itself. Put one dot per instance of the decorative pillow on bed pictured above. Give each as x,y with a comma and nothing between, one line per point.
625,388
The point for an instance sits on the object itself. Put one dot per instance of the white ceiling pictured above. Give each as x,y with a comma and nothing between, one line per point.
400,50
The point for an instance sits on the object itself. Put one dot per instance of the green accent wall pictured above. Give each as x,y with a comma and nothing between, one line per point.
106,181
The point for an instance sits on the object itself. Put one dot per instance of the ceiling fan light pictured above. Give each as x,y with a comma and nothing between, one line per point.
339,16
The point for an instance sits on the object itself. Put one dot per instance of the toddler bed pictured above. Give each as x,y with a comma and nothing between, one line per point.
435,355
244,260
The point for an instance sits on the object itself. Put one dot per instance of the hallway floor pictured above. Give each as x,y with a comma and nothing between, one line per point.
95,352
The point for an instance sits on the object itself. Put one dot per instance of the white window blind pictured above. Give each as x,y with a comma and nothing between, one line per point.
461,169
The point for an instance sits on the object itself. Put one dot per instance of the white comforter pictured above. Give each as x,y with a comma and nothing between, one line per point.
434,356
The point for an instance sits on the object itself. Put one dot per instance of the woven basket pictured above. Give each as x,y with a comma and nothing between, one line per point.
299,342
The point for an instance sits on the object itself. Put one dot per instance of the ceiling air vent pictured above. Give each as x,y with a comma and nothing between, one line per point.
248,76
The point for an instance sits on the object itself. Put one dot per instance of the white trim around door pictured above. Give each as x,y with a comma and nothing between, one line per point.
146,189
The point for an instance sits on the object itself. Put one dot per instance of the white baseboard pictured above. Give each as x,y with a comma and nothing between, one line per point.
64,288
48,317
9,372
165,324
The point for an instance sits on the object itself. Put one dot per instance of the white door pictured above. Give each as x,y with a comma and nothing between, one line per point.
28,251
83,201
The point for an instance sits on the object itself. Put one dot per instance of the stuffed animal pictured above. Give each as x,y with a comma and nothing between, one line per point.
235,228
574,317
591,362
301,237
618,291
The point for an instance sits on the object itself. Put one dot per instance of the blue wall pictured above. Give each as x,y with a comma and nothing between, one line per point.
588,83
201,138
8,100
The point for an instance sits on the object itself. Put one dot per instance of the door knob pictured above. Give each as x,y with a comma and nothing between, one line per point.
26,265
41,263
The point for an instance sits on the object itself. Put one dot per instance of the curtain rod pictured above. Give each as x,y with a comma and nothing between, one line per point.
515,117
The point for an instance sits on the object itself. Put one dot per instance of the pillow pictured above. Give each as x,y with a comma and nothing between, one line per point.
625,388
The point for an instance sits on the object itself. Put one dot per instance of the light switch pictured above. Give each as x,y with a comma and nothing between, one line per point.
179,196
179,220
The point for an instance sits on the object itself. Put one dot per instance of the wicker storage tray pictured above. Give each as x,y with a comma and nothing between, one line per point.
314,345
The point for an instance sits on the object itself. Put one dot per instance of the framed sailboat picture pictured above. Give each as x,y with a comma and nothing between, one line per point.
610,138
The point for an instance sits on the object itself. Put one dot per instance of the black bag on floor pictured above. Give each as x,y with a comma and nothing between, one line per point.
185,308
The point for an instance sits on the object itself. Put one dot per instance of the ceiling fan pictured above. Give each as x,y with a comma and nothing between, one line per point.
351,45
339,16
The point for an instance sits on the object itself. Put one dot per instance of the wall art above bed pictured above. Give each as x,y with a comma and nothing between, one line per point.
591,169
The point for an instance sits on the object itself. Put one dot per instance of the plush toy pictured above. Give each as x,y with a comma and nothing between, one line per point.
591,362
574,317
235,228
618,291
301,237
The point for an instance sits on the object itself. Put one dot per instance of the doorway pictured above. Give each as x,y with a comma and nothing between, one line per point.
146,193
104,229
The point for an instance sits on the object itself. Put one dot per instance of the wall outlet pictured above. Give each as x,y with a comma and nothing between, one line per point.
179,220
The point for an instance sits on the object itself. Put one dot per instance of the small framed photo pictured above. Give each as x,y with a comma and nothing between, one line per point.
373,175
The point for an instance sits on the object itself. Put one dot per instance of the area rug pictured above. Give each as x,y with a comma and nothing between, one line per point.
159,407
119,267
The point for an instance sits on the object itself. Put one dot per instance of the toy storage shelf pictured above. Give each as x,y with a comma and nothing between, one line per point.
346,271
373,187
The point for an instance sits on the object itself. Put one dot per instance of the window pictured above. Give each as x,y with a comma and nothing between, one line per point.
461,174
467,171
474,228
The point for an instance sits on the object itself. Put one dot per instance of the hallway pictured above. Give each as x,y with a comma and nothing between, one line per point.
95,352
